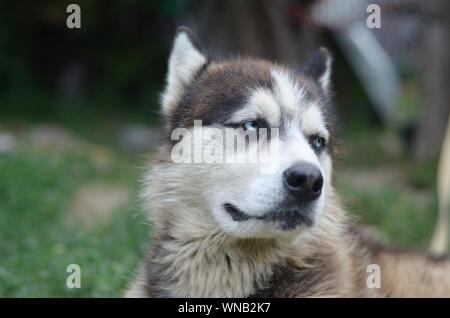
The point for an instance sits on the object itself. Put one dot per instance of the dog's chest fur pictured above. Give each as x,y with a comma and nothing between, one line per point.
214,267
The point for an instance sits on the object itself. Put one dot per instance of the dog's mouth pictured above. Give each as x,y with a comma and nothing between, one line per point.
288,217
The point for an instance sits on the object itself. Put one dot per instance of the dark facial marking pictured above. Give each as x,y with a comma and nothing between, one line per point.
220,90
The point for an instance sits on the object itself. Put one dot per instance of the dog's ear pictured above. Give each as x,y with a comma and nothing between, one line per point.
318,68
186,59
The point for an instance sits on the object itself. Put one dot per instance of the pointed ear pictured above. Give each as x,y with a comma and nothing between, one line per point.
318,68
186,59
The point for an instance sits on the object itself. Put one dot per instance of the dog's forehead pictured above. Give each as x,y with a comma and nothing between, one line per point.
246,86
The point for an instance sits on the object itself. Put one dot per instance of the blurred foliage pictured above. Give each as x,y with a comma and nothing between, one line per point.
115,61
423,175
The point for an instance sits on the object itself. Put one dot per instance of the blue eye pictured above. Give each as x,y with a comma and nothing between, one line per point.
318,143
251,125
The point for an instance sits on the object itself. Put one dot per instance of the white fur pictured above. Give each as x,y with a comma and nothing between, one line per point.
288,92
261,104
184,62
325,79
312,121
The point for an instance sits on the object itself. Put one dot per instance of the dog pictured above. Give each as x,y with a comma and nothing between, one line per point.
234,230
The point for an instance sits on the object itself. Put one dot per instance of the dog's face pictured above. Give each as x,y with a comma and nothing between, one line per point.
251,97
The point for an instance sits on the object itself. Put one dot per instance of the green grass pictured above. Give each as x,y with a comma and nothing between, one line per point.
406,210
393,211
36,241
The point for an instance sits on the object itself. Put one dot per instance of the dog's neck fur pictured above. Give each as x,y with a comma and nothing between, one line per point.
217,266
213,264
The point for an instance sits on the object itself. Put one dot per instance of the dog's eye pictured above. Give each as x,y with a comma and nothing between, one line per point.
318,143
251,125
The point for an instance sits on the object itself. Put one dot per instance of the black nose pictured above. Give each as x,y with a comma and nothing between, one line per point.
304,181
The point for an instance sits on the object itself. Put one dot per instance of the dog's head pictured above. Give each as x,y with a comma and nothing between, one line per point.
289,109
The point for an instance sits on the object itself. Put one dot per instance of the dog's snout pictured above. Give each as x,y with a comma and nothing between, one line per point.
304,181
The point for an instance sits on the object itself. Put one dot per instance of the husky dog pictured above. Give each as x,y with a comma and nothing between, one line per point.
229,230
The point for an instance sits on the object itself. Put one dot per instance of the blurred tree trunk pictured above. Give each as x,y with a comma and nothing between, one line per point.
435,69
254,27
260,29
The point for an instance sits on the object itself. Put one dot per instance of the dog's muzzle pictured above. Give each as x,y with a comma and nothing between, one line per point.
303,183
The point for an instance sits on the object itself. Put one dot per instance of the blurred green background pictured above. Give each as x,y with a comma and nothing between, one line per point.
79,122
